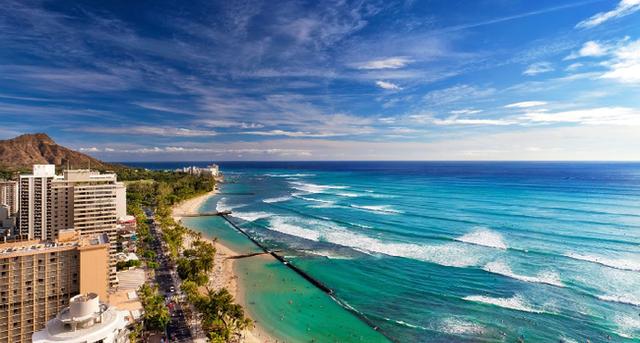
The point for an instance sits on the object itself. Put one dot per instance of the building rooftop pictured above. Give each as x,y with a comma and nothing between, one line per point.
86,319
29,246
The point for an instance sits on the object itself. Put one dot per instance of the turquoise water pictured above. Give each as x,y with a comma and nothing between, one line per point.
462,252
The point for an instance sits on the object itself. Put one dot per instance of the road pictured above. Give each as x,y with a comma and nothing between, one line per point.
168,282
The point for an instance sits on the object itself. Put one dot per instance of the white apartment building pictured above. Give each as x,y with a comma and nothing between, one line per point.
84,200
86,320
34,221
121,200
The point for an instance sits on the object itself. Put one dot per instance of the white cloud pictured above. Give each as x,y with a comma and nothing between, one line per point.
589,49
152,131
526,104
624,8
591,116
457,93
178,150
574,66
454,120
538,68
388,63
388,85
90,149
625,65
290,133
465,111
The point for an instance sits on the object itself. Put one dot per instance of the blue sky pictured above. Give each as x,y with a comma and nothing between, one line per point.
332,80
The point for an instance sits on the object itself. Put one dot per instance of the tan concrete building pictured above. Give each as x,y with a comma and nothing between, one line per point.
9,195
37,279
87,201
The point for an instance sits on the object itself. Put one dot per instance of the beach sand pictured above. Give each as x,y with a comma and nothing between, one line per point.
223,273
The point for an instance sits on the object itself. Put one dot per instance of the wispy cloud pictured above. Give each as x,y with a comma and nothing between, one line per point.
388,85
590,116
466,111
624,8
624,67
454,120
457,93
538,68
387,63
290,133
150,131
526,104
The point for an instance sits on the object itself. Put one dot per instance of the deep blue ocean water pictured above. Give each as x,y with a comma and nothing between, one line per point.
457,251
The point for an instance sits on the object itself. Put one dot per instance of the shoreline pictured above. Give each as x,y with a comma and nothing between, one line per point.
224,273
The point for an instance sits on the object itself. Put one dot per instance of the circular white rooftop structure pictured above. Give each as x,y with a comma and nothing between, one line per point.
86,320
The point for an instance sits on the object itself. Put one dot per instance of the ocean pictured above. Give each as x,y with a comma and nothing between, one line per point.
438,251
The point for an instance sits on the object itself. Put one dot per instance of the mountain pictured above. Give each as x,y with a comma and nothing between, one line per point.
22,152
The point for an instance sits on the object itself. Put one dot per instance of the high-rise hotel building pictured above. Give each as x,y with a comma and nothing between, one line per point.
84,200
38,278
9,195
35,220
87,201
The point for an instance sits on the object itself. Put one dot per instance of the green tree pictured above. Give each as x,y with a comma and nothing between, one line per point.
156,314
221,317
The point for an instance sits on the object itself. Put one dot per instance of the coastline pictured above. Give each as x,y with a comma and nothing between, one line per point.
224,273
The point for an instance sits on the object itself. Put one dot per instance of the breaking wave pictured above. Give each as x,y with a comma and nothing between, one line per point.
546,277
251,216
222,205
280,224
449,254
313,188
456,326
278,199
386,209
628,326
513,303
620,263
348,194
295,195
484,237
290,175
628,299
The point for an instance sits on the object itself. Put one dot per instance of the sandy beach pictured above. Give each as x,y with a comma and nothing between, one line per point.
223,274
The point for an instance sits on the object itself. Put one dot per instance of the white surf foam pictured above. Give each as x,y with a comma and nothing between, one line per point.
450,254
385,209
251,216
314,188
628,327
361,225
514,303
284,225
447,254
457,326
348,194
484,237
628,299
222,205
290,175
632,264
313,199
278,199
546,277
